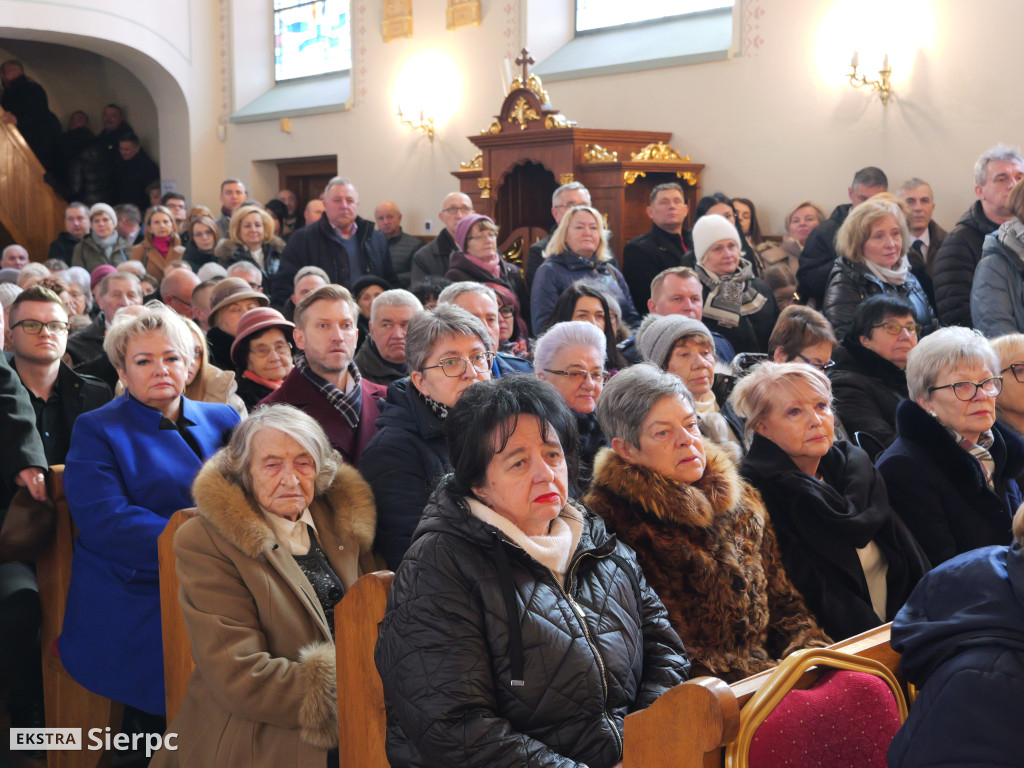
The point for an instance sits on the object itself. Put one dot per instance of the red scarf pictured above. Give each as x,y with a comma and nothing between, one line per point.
162,244
268,383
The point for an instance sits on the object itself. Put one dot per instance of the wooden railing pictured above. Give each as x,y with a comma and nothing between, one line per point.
30,210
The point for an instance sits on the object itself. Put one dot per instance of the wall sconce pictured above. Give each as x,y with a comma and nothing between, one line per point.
882,85
425,124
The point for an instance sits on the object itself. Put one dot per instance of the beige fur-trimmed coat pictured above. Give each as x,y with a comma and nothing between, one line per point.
263,692
709,552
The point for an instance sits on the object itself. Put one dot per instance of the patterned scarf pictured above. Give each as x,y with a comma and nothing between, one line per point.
730,297
979,450
439,409
348,404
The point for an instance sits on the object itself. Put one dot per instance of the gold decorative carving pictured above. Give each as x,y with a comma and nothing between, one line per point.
397,20
494,127
522,113
514,253
688,176
476,164
658,151
534,84
556,121
462,13
484,185
630,176
595,153
566,178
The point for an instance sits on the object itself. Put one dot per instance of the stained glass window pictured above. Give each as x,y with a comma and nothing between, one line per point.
311,38
592,15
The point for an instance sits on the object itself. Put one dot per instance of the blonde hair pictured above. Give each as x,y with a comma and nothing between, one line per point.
235,227
153,317
758,392
856,229
557,243
148,237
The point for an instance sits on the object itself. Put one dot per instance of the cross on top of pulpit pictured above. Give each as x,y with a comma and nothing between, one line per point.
524,59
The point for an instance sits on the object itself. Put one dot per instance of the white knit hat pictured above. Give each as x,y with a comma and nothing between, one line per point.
8,292
103,208
708,230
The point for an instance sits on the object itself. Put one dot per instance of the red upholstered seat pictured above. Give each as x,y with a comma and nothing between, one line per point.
845,719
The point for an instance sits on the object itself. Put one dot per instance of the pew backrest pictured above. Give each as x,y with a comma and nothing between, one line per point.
178,663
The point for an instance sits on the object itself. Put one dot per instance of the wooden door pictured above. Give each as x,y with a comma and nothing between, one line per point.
306,177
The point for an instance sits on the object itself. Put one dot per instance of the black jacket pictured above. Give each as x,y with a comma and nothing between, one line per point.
220,343
940,491
817,256
469,613
319,245
195,258
375,368
867,389
131,177
87,344
953,270
651,253
250,391
849,284
228,252
62,247
21,446
403,464
432,258
819,525
591,440
27,101
752,332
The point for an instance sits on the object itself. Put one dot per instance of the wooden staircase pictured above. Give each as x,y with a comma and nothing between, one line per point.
31,212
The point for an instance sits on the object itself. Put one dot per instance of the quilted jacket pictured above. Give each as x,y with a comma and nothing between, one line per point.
451,660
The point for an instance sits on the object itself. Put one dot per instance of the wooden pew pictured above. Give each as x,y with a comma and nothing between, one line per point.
178,663
689,726
361,717
68,704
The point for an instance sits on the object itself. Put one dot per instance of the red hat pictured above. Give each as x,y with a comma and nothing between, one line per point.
99,273
253,322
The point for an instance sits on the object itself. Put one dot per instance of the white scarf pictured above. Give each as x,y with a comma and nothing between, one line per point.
714,425
896,276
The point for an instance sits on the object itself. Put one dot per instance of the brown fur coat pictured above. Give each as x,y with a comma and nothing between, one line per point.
709,552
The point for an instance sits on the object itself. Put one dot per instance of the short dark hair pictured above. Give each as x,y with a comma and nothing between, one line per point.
708,202
131,138
430,288
171,196
112,105
129,212
37,293
485,416
797,328
876,309
870,177
565,306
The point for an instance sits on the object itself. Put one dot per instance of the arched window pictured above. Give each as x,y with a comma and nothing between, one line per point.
311,37
593,15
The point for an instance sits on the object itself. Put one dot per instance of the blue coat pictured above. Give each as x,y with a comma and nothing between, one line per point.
961,634
124,478
561,270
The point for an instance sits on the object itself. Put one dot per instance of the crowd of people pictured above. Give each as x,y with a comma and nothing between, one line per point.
730,448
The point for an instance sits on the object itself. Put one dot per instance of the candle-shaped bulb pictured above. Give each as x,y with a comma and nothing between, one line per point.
853,60
885,62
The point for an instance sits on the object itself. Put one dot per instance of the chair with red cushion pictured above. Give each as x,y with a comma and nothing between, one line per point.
846,717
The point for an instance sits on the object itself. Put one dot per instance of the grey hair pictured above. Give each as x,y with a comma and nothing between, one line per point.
870,177
1001,152
913,183
759,392
236,457
944,350
453,291
113,277
80,277
305,271
153,317
210,270
428,328
658,189
31,271
396,297
339,181
572,185
12,247
630,395
572,333
246,267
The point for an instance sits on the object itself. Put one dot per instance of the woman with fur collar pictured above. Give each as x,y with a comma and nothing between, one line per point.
701,534
283,530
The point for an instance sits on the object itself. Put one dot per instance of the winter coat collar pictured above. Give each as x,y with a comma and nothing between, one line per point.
576,263
854,357
975,218
347,510
716,493
364,229
405,409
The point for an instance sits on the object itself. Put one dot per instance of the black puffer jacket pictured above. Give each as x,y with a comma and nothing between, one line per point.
447,651
953,272
817,257
849,284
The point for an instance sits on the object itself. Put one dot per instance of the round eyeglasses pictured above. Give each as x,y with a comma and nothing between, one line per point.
453,367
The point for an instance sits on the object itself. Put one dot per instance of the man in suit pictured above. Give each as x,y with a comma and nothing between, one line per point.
926,235
667,245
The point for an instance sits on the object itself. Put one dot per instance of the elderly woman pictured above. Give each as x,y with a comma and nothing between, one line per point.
577,250
685,348
869,379
518,632
587,303
701,534
262,351
802,335
952,471
251,238
571,357
202,240
281,519
1010,403
446,350
160,244
720,204
102,245
231,298
997,293
872,245
736,304
477,259
79,293
130,467
846,551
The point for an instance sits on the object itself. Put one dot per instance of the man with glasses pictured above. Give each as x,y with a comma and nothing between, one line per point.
564,198
248,272
482,302
176,290
869,379
432,259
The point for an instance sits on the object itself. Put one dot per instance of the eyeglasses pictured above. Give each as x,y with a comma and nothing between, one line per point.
35,327
463,209
262,351
577,377
1017,369
893,328
186,304
819,366
967,390
453,367
508,312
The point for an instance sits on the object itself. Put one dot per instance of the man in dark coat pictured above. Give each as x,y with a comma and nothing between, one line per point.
76,226
401,245
342,244
325,382
433,258
995,174
820,249
668,244
565,197
926,235
133,172
116,290
28,108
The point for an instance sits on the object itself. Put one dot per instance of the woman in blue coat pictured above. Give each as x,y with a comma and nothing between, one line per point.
130,467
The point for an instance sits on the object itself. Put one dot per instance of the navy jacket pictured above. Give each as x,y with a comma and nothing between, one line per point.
124,478
961,634
559,271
